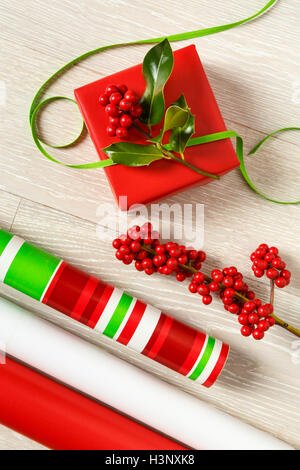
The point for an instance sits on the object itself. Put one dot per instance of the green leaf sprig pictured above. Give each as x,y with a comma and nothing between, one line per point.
178,119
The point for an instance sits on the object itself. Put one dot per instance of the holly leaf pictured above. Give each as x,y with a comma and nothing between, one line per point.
175,117
129,154
157,68
181,135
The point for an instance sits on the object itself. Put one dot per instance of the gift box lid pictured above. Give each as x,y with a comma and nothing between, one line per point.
162,178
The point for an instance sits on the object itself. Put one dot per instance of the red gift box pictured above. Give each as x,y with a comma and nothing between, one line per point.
162,178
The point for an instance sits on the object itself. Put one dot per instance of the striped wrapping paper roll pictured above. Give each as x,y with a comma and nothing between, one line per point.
110,311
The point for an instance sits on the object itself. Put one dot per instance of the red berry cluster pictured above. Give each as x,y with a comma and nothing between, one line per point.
122,108
239,300
266,260
142,245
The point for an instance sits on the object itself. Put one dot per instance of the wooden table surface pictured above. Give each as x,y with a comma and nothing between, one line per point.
254,72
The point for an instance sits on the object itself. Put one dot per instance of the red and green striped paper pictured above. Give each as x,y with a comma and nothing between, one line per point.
110,311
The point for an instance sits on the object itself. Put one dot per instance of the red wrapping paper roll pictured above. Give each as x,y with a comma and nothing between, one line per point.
62,419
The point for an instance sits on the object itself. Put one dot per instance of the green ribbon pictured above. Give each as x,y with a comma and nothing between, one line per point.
36,104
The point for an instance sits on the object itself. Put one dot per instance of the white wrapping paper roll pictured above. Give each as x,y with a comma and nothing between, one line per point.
126,388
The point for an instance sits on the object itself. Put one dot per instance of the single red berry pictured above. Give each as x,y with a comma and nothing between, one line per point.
249,306
131,97
138,266
261,264
148,240
114,121
115,98
199,278
111,131
160,249
263,246
217,275
234,308
127,259
110,89
182,259
119,255
263,325
197,264
125,239
193,255
286,274
147,263
257,302
258,334
258,272
269,257
142,255
253,318
135,246
180,277
227,300
193,287
149,271
268,308
160,269
273,250
243,319
203,289
251,295
166,270
207,299
246,330
232,271
276,263
172,263
112,110
122,89
262,311
228,281
226,271
282,265
125,249
280,282
238,284
253,256
175,252
214,286
260,253
122,133
125,120
271,321
103,100
229,292
201,256
116,243
272,273
157,260
124,105
136,111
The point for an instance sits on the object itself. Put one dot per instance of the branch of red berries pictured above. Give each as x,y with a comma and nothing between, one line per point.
142,246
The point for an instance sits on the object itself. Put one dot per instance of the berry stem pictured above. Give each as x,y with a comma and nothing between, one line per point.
278,320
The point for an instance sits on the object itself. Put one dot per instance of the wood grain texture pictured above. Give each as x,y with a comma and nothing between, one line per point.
254,71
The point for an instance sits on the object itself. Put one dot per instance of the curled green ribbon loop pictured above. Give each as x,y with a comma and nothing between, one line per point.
36,105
